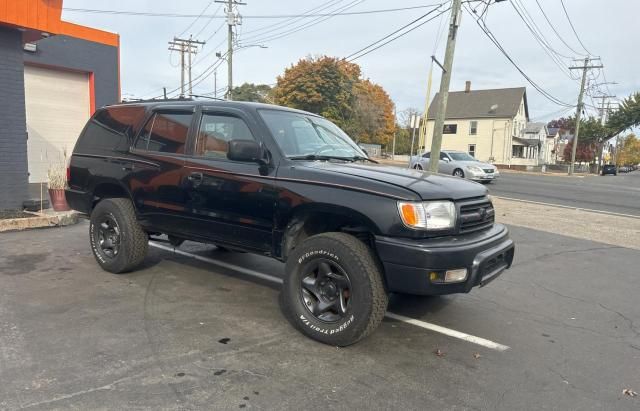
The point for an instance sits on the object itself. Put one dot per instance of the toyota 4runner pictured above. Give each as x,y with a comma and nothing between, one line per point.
290,185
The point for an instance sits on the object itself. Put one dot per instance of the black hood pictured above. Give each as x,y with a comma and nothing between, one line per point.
426,185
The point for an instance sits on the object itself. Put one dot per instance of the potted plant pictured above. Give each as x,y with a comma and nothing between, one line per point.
57,180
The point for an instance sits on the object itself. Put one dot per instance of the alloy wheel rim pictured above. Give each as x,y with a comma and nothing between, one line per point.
325,290
109,235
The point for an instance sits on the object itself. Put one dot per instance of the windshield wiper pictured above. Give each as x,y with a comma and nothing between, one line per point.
358,158
320,157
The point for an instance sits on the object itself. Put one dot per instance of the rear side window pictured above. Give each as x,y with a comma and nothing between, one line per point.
111,128
165,133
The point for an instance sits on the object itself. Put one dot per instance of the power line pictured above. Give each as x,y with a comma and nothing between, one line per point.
553,27
485,29
196,20
263,16
304,26
275,26
378,43
208,21
566,13
542,41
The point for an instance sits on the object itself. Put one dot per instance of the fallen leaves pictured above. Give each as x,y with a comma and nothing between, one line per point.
629,392
476,355
439,352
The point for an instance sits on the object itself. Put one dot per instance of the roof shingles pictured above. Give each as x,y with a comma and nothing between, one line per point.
479,103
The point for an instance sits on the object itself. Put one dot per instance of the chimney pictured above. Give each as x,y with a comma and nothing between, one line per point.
467,86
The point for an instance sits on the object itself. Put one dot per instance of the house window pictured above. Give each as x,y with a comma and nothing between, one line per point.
518,151
450,129
473,128
472,150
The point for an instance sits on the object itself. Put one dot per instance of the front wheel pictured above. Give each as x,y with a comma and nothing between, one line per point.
333,291
417,167
458,173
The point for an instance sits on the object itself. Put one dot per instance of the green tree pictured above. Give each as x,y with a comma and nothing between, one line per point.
322,85
334,89
626,117
260,93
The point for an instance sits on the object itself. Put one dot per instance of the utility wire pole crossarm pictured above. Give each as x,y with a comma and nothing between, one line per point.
185,46
233,19
438,126
584,69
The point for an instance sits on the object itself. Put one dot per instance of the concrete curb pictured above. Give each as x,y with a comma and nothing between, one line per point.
547,174
40,220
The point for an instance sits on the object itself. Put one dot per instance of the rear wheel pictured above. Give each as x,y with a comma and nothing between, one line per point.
458,173
118,242
418,167
333,291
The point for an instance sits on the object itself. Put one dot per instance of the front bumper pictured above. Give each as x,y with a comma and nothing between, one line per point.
407,263
477,176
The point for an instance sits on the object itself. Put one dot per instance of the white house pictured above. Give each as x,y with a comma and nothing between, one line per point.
543,142
488,124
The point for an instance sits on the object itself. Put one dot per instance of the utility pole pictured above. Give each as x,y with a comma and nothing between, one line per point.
395,132
415,123
584,69
601,142
438,126
233,19
215,83
185,46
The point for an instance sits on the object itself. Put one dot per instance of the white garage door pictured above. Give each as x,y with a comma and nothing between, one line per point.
57,105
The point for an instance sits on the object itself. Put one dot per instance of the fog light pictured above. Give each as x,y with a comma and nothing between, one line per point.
455,276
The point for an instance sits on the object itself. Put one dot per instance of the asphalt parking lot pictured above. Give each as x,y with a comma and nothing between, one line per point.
187,334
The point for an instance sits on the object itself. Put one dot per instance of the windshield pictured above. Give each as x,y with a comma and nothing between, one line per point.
461,157
305,135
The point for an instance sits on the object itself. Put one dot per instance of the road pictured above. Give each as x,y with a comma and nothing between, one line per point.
188,334
619,194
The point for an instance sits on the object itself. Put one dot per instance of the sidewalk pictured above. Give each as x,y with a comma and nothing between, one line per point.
548,174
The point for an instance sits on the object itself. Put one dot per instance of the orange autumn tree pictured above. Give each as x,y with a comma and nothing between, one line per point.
335,89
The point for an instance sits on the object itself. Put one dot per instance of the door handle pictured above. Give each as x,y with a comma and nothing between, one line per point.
128,167
195,178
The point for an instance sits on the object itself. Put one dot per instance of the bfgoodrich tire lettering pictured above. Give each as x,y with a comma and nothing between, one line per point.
114,219
348,258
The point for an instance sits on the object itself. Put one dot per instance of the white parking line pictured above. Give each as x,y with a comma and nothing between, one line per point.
448,331
418,323
591,210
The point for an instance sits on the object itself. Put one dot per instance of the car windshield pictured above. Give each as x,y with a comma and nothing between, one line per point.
300,135
461,157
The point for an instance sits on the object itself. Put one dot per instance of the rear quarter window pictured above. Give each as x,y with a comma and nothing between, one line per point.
110,129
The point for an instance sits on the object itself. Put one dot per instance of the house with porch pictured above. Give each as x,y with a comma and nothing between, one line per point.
542,139
488,124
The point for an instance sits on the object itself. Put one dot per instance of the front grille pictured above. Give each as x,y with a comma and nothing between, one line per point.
475,216
488,170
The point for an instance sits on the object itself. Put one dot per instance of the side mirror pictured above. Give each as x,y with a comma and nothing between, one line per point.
446,160
246,150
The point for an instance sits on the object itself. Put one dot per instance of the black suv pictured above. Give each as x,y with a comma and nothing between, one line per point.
290,185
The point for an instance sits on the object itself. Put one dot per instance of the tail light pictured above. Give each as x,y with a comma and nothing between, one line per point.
68,174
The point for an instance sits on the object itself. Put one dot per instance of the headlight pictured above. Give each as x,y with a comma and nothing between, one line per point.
432,215
475,169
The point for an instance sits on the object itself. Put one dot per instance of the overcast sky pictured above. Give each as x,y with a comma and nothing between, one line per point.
608,28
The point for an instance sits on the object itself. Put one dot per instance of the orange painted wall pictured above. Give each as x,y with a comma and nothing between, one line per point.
46,16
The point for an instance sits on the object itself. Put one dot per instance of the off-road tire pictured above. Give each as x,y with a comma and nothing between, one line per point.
368,296
134,241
